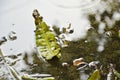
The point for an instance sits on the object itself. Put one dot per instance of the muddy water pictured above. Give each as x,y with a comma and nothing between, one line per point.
96,37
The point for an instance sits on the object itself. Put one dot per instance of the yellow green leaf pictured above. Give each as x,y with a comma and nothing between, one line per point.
95,75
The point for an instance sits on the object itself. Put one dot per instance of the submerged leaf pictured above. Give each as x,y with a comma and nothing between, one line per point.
14,73
45,39
95,75
9,70
28,77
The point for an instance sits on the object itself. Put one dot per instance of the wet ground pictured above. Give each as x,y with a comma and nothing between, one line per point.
101,42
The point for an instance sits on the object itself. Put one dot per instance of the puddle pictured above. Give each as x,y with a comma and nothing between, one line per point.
82,4
98,42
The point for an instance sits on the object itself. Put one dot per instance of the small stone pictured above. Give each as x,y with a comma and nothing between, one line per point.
82,66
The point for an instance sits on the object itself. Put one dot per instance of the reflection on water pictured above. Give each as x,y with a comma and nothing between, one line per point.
81,4
101,42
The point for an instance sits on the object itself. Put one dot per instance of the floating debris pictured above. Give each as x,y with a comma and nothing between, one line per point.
78,61
40,75
94,64
65,64
82,66
68,30
31,77
12,35
6,71
110,73
2,40
12,56
62,40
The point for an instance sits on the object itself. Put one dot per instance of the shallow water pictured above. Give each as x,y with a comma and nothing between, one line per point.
96,37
